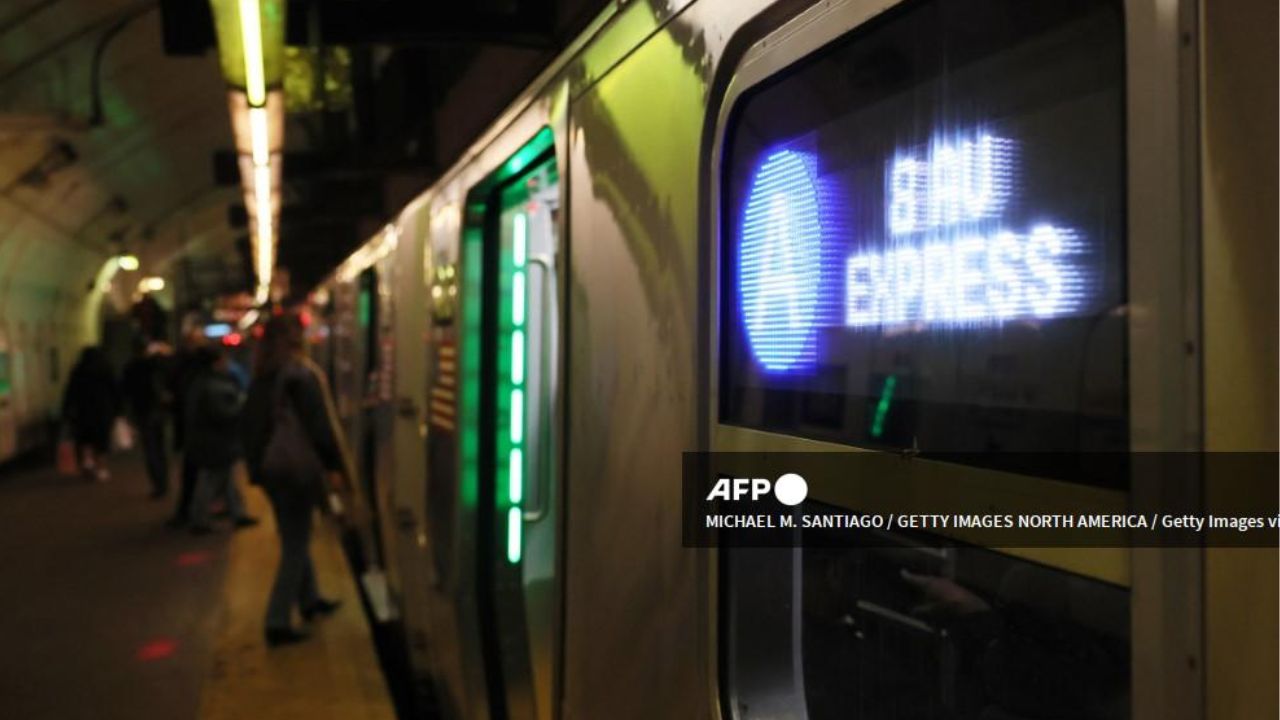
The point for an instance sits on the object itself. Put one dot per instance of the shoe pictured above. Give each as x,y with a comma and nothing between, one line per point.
157,494
201,530
175,523
320,608
245,522
284,636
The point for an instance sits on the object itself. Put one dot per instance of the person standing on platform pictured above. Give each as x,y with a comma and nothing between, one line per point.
146,393
184,368
295,453
90,407
212,405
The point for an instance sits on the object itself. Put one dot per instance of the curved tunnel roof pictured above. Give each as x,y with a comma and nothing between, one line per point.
86,174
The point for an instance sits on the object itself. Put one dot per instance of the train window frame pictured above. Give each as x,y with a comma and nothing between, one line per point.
1160,56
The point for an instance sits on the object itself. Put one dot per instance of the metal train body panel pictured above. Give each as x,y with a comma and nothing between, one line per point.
625,622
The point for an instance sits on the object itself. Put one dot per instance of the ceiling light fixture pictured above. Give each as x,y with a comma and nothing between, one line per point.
151,284
255,74
259,137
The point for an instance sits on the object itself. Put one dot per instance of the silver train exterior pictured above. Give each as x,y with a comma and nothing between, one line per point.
612,161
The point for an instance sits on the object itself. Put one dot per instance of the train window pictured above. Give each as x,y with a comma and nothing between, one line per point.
906,628
923,236
922,246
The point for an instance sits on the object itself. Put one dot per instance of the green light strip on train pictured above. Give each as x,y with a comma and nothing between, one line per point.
515,454
515,489
882,407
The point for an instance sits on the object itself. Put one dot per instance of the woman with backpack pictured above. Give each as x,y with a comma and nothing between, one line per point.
295,453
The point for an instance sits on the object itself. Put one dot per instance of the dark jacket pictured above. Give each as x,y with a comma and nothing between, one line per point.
212,406
91,401
300,386
146,390
186,366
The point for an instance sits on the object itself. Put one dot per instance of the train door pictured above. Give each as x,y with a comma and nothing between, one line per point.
924,249
365,429
380,459
353,312
514,221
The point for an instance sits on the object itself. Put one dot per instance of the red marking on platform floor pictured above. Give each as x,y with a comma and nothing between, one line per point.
195,557
157,649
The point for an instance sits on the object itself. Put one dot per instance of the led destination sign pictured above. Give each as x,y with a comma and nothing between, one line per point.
923,236
950,255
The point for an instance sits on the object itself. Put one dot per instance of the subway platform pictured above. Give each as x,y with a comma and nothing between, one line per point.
106,613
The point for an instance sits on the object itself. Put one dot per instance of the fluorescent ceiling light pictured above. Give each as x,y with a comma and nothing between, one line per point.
264,253
262,193
259,138
255,80
151,284
248,319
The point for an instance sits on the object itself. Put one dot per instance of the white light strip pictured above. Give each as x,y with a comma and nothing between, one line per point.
248,319
262,193
264,258
519,240
517,357
517,416
259,136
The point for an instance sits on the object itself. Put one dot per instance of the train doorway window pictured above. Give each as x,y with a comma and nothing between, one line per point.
923,241
513,232
921,247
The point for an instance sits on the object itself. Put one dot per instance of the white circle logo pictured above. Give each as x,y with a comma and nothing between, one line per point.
791,489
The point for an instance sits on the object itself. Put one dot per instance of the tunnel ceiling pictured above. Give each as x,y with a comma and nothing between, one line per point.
115,135
128,170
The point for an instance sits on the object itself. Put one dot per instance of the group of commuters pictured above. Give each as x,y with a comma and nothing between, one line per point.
279,421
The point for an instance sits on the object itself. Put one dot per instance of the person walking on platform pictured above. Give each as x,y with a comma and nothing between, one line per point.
90,407
213,405
184,368
295,453
146,393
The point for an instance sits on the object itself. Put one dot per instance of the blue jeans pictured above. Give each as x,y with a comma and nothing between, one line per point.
296,577
211,482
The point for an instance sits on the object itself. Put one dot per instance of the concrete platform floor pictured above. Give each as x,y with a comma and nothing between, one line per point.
105,613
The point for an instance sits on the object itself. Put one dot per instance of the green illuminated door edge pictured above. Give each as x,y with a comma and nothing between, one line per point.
510,345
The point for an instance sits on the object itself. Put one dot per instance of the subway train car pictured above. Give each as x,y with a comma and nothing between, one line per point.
978,228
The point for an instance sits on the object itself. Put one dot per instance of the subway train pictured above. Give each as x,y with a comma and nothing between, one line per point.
984,228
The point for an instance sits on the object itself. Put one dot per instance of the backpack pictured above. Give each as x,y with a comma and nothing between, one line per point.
289,460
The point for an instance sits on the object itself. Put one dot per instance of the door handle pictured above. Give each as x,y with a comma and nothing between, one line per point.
544,457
